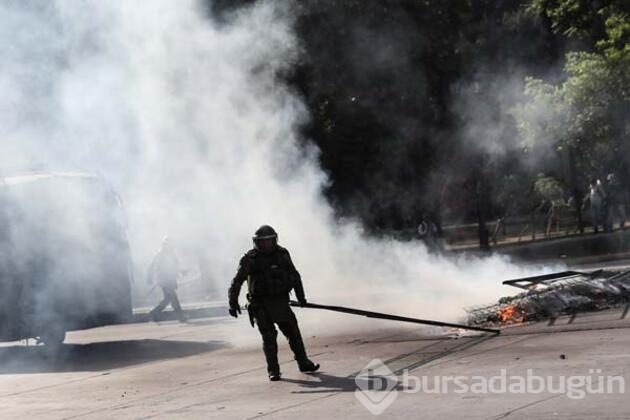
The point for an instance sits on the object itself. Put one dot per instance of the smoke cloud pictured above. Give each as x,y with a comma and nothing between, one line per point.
189,122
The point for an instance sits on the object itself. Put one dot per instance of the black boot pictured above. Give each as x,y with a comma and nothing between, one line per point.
154,316
308,366
274,376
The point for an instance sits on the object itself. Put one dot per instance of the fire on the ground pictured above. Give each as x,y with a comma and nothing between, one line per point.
552,297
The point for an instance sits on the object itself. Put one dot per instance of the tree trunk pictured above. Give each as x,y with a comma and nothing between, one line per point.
575,189
483,204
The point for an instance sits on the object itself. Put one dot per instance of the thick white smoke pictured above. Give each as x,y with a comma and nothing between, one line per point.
190,124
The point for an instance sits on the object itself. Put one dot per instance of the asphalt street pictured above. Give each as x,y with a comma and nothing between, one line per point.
214,368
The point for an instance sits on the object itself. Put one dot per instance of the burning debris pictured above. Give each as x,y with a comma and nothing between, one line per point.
550,296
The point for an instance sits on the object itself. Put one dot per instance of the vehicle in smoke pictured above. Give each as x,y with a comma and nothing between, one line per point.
65,262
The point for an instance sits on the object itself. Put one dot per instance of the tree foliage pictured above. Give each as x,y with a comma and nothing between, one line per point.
589,110
413,100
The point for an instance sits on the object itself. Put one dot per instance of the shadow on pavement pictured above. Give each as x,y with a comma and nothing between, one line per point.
324,383
94,357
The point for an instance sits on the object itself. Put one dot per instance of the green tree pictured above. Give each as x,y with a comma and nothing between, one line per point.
589,111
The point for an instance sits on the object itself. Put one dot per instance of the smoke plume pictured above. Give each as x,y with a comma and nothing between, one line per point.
189,122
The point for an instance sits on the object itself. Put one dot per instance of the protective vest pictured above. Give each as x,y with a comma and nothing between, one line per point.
270,275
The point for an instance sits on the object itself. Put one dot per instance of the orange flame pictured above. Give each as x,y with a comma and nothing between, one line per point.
511,314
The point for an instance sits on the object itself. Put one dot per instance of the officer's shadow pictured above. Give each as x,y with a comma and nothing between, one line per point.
323,383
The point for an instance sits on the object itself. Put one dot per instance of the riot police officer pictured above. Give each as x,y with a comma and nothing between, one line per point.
271,276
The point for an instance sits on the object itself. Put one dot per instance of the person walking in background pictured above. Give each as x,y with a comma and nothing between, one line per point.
428,232
164,270
616,202
597,197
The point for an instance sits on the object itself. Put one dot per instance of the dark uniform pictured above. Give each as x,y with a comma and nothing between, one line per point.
271,276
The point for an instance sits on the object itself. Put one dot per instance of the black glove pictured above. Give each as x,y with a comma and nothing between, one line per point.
235,311
302,302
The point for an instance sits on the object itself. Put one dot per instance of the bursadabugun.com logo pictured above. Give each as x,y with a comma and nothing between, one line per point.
378,386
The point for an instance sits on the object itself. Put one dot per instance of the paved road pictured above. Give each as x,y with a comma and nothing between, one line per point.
214,368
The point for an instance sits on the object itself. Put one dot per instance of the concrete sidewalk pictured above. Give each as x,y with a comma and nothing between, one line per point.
578,249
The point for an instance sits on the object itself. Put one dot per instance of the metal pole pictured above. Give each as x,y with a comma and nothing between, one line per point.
379,315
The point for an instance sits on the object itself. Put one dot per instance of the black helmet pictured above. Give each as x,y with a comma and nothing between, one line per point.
265,238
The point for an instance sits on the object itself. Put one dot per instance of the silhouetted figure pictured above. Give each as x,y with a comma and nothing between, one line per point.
428,232
597,197
271,276
616,202
164,270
